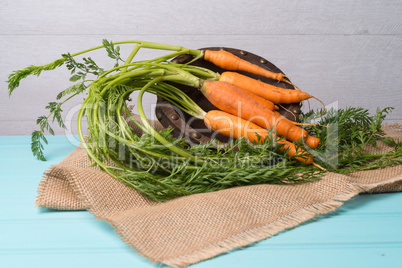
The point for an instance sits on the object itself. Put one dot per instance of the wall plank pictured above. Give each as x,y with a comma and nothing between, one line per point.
194,17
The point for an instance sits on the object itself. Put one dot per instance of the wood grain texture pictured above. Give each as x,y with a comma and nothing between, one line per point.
348,53
177,17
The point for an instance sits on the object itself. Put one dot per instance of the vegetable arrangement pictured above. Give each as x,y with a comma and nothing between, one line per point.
266,147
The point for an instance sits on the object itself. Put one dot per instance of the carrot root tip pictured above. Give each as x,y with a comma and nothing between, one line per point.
324,108
320,167
289,111
287,80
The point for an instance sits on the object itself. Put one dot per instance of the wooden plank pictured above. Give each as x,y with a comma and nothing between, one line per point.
277,258
66,258
314,17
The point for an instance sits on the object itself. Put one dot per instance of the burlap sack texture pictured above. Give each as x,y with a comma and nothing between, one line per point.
190,229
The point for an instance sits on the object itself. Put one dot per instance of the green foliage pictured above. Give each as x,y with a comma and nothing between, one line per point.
112,51
81,70
73,90
348,132
55,109
36,144
15,77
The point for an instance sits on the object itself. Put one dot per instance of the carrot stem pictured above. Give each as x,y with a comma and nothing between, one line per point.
152,131
131,57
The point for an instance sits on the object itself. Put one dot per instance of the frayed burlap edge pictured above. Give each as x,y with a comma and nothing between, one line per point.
289,221
73,203
43,184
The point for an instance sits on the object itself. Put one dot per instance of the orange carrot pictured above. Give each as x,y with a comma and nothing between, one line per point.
230,99
275,94
232,126
266,103
231,62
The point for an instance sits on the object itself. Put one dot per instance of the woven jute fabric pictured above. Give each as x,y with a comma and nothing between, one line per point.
189,229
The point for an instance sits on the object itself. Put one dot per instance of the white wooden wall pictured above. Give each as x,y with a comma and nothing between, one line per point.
344,52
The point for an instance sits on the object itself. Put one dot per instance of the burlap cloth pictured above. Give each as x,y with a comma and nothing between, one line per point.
190,229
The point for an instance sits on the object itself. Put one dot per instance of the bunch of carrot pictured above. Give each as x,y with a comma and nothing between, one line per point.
253,103
247,108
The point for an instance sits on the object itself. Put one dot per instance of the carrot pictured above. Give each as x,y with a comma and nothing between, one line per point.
231,62
266,103
230,99
232,126
275,94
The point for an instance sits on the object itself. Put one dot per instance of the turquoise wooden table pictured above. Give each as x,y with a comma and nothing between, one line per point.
365,232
